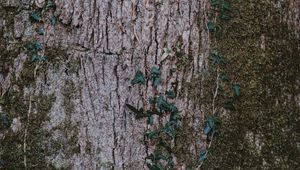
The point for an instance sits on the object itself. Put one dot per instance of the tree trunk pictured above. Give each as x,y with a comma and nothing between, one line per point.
70,111
63,99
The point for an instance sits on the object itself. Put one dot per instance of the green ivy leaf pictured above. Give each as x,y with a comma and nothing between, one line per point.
171,94
165,145
41,31
139,113
175,117
155,72
37,46
161,102
225,6
211,26
36,57
53,20
167,52
237,90
150,120
152,134
216,57
2,163
152,100
207,130
35,16
211,125
29,46
50,5
169,130
139,78
156,157
4,120
202,155
163,105
215,2
224,77
154,166
225,16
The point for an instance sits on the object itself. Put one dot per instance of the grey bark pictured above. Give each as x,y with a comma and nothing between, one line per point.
110,41
94,51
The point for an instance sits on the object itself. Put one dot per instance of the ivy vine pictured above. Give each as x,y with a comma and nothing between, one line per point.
42,19
161,137
217,62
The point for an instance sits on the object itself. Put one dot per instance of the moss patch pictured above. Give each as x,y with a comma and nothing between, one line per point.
262,56
12,153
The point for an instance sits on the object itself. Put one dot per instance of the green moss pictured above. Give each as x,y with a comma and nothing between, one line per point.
56,54
27,74
184,141
263,57
12,152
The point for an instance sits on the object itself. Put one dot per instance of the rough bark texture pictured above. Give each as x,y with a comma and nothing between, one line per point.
94,52
69,112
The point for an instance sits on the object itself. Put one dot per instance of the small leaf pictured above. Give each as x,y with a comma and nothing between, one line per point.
175,117
156,81
152,100
154,112
154,167
35,16
162,104
2,163
37,46
50,5
207,130
211,26
171,162
202,155
152,134
139,113
172,108
139,78
155,72
53,20
165,145
36,57
237,90
4,120
41,31
214,2
167,52
171,94
225,15
169,130
156,157
224,77
150,120
225,6
29,46
211,125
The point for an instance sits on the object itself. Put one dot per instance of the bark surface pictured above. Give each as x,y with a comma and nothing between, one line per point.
94,52
69,112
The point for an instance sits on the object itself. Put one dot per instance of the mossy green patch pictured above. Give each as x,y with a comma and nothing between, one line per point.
184,148
262,56
12,145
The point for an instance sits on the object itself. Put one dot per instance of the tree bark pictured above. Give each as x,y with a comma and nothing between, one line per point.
68,110
94,52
